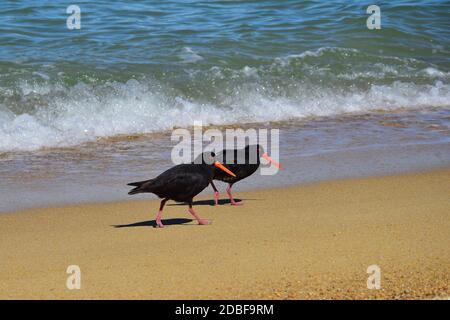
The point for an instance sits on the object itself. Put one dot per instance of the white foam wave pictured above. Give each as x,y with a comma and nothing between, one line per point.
86,113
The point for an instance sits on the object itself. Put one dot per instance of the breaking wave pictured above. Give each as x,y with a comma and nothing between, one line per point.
47,110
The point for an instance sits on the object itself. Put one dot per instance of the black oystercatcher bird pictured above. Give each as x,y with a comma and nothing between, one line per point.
181,183
243,164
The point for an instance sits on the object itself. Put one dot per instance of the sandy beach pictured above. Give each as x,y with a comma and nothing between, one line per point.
304,242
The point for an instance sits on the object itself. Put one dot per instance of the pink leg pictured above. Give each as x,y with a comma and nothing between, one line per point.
200,221
158,216
216,198
233,203
216,194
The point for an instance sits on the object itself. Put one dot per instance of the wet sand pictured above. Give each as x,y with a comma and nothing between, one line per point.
303,242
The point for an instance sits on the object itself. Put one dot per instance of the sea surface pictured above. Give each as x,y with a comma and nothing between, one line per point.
84,111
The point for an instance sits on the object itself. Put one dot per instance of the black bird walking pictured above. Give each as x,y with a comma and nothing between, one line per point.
243,163
181,183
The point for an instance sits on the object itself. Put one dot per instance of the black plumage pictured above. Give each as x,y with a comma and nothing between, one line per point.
180,183
243,163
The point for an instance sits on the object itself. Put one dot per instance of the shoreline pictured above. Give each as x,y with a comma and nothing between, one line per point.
208,192
51,187
313,241
316,149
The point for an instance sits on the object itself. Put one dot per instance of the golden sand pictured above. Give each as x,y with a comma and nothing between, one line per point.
303,242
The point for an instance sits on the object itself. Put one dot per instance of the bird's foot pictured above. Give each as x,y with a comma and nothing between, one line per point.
216,198
234,203
159,224
203,222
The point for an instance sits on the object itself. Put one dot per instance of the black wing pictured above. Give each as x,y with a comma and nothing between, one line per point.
242,165
182,182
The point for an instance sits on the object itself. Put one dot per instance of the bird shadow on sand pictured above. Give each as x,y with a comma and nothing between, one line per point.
211,202
152,223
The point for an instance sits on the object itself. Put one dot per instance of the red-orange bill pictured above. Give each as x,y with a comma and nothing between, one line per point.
276,164
223,168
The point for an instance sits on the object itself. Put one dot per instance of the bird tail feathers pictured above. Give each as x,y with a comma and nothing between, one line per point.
140,186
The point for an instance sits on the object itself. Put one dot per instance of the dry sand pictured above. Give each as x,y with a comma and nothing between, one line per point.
303,242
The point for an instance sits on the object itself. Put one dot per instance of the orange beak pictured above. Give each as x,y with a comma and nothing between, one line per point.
276,164
223,168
